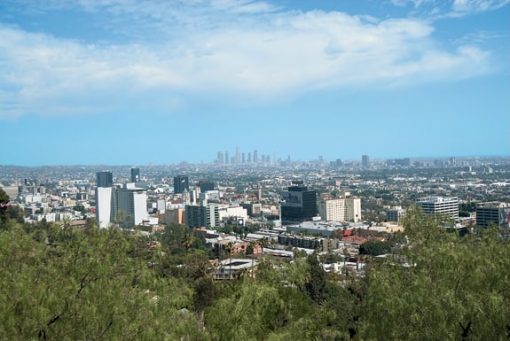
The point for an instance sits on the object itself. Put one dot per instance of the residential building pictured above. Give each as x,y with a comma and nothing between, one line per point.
202,216
342,209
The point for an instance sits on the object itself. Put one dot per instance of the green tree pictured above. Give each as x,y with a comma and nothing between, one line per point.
316,284
375,248
446,287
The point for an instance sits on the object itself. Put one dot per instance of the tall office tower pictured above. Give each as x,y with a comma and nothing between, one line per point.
443,206
135,174
104,199
300,204
259,193
493,213
104,179
243,159
181,183
219,158
365,161
227,159
237,157
255,156
131,206
249,157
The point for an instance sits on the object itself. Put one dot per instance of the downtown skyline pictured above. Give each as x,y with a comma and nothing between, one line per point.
122,82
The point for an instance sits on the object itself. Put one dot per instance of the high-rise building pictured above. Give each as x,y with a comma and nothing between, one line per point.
104,179
181,183
353,209
440,206
255,156
249,157
493,213
343,209
135,174
126,206
220,159
365,161
104,199
131,206
300,204
227,158
104,206
243,159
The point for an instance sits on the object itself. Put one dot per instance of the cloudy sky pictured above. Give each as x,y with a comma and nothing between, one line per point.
162,81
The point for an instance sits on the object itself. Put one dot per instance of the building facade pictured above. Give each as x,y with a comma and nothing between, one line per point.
181,184
343,209
300,204
493,213
135,174
440,206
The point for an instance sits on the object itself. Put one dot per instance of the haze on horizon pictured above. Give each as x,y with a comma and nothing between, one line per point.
159,82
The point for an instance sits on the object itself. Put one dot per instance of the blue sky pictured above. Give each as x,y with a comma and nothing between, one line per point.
163,81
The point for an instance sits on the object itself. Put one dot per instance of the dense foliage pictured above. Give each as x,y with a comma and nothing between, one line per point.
59,283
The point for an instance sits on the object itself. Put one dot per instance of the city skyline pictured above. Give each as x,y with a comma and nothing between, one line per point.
118,82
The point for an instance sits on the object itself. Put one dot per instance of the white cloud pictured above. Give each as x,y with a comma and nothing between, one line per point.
438,9
278,54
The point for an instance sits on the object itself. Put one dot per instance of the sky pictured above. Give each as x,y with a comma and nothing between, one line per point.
163,81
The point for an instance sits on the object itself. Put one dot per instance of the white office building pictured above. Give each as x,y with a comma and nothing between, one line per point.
441,206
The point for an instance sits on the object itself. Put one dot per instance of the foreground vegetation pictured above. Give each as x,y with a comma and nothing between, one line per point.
60,283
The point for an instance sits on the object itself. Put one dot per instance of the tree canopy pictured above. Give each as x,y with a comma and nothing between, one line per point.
66,283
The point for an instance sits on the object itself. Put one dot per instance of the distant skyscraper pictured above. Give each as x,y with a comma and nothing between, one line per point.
104,179
255,156
181,183
237,157
243,159
135,174
249,157
365,161
220,159
227,158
